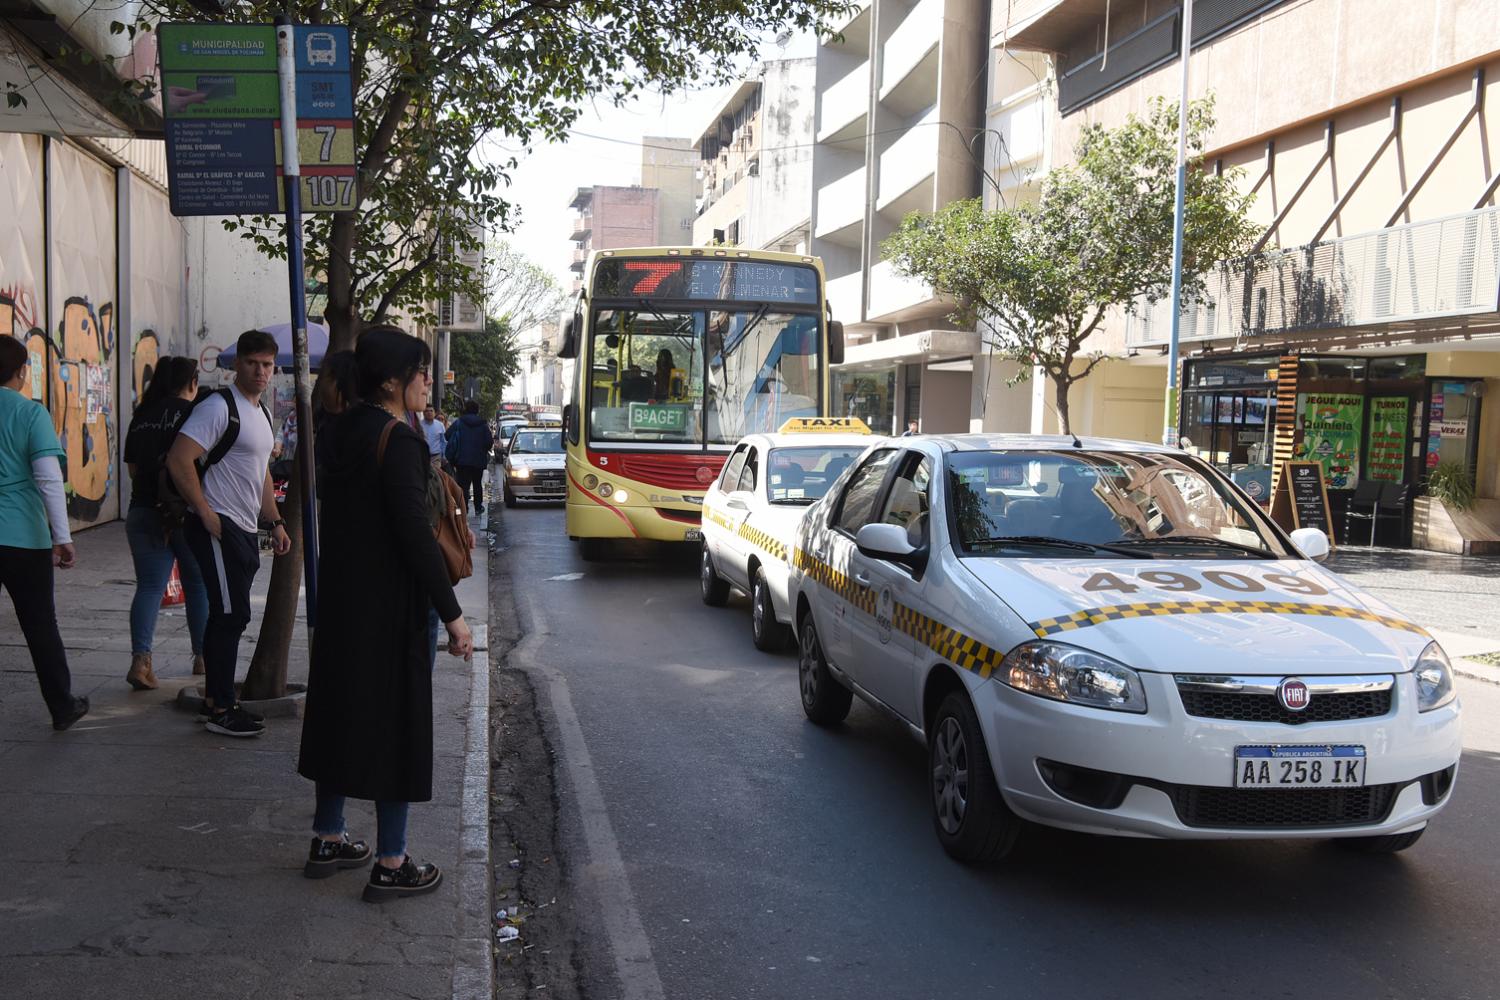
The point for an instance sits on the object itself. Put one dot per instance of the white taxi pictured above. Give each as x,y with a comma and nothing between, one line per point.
751,512
534,466
1110,637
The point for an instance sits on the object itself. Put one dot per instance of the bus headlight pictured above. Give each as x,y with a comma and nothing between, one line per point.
590,481
621,496
605,489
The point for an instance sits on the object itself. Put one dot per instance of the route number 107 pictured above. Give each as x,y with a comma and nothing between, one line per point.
324,193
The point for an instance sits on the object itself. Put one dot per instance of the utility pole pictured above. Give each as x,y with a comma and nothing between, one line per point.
1169,420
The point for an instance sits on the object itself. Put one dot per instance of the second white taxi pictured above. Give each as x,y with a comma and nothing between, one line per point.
751,513
1110,637
534,465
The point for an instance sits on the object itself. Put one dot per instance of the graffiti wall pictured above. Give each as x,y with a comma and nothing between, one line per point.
22,313
157,263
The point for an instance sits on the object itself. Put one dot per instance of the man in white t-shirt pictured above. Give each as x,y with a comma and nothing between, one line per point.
220,464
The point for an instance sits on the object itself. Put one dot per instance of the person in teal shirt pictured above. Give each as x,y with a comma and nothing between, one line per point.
34,535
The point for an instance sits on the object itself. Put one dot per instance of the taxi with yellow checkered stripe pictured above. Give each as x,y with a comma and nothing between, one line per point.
751,513
1111,637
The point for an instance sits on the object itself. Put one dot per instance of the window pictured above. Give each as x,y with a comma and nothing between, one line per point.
530,442
762,371
858,503
748,477
906,504
731,477
646,379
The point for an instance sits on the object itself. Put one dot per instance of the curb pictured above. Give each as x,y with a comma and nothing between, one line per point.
190,699
1476,671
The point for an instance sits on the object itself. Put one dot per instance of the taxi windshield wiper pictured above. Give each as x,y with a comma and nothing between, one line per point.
1058,543
796,501
1200,540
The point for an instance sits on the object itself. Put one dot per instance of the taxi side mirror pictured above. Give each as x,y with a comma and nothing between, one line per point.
736,501
890,543
1312,543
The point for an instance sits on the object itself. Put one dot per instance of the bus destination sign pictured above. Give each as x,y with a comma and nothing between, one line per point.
705,280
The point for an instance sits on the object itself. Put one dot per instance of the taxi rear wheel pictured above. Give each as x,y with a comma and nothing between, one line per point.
1388,844
769,635
715,588
510,498
972,821
824,700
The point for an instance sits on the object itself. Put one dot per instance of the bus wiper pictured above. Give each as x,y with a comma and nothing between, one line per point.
1200,540
1059,543
755,319
646,306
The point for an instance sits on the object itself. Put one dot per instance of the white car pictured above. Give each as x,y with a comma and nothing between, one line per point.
751,513
1110,637
534,466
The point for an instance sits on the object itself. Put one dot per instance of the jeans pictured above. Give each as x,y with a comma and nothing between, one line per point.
228,564
153,556
390,822
27,575
471,480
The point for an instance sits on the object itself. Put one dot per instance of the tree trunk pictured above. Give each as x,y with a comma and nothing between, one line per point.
341,315
267,675
1060,386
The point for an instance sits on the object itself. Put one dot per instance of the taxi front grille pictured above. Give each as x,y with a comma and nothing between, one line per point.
1240,808
1258,707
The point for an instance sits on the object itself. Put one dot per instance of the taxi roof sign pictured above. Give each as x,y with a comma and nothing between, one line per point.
824,425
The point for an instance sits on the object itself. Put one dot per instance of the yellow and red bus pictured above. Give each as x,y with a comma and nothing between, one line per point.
680,352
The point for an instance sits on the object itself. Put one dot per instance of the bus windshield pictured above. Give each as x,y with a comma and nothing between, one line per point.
700,376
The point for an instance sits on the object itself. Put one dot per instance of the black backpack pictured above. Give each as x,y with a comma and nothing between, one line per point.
169,503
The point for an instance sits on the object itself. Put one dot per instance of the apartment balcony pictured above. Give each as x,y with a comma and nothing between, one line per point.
846,297
908,168
583,225
909,70
841,209
1441,275
580,254
853,27
844,108
896,298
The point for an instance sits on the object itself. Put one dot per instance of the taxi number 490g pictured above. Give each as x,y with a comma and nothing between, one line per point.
1299,766
1184,583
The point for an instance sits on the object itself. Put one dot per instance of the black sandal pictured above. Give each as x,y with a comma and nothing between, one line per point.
411,879
327,857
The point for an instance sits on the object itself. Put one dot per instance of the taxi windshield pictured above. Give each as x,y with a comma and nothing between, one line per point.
537,443
802,475
1147,505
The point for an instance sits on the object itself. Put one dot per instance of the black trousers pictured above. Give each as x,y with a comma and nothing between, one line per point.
27,575
471,480
228,564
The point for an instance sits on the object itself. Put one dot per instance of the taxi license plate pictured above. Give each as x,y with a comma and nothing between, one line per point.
692,535
1317,766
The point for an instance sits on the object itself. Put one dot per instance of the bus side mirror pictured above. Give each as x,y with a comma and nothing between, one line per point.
569,346
835,342
568,412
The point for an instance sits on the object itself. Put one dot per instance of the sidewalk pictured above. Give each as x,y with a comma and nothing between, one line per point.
150,858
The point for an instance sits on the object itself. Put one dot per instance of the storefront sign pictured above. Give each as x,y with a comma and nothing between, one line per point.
1302,498
1390,418
222,105
1451,428
1330,425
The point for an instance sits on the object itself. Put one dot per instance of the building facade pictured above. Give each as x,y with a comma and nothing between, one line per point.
657,212
755,162
1363,331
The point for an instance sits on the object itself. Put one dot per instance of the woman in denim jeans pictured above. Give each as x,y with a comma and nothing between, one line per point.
160,411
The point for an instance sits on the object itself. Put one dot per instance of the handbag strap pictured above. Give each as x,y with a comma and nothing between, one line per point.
385,439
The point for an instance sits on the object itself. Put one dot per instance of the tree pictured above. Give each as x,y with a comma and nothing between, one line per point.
1039,278
489,357
433,78
521,293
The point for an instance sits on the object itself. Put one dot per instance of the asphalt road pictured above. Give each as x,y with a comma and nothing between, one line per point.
720,846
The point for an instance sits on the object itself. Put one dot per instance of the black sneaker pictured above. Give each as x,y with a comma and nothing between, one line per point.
234,723
410,879
205,713
79,710
326,857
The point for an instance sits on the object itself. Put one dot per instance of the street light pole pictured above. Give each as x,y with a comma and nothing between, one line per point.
1169,421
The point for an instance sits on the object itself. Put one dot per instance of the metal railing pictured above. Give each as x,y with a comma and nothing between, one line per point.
1403,274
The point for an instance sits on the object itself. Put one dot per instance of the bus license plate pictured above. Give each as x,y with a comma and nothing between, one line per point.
1317,766
692,535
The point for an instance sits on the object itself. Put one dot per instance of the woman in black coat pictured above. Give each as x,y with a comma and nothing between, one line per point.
367,732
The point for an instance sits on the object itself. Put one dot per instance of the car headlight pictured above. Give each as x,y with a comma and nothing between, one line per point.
1434,676
521,472
1067,673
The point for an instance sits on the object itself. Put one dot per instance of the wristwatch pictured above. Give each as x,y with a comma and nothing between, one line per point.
273,525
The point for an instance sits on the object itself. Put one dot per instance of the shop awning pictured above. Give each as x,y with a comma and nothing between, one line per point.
913,348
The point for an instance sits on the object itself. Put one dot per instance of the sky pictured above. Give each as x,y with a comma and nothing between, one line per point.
546,179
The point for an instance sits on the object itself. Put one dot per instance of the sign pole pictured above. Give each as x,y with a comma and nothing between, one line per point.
286,71
1169,424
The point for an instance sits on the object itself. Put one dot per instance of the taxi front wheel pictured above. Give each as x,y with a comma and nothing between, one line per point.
714,587
769,635
973,822
824,700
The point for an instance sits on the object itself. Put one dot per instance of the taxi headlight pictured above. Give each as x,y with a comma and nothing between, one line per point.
1434,677
1067,673
521,472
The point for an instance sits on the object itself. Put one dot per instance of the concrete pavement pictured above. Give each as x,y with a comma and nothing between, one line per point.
151,858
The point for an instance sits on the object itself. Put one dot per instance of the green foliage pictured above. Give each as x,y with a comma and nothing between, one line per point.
1040,277
490,358
1451,485
435,78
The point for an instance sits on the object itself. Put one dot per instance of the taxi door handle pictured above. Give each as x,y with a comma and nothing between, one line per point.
862,579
